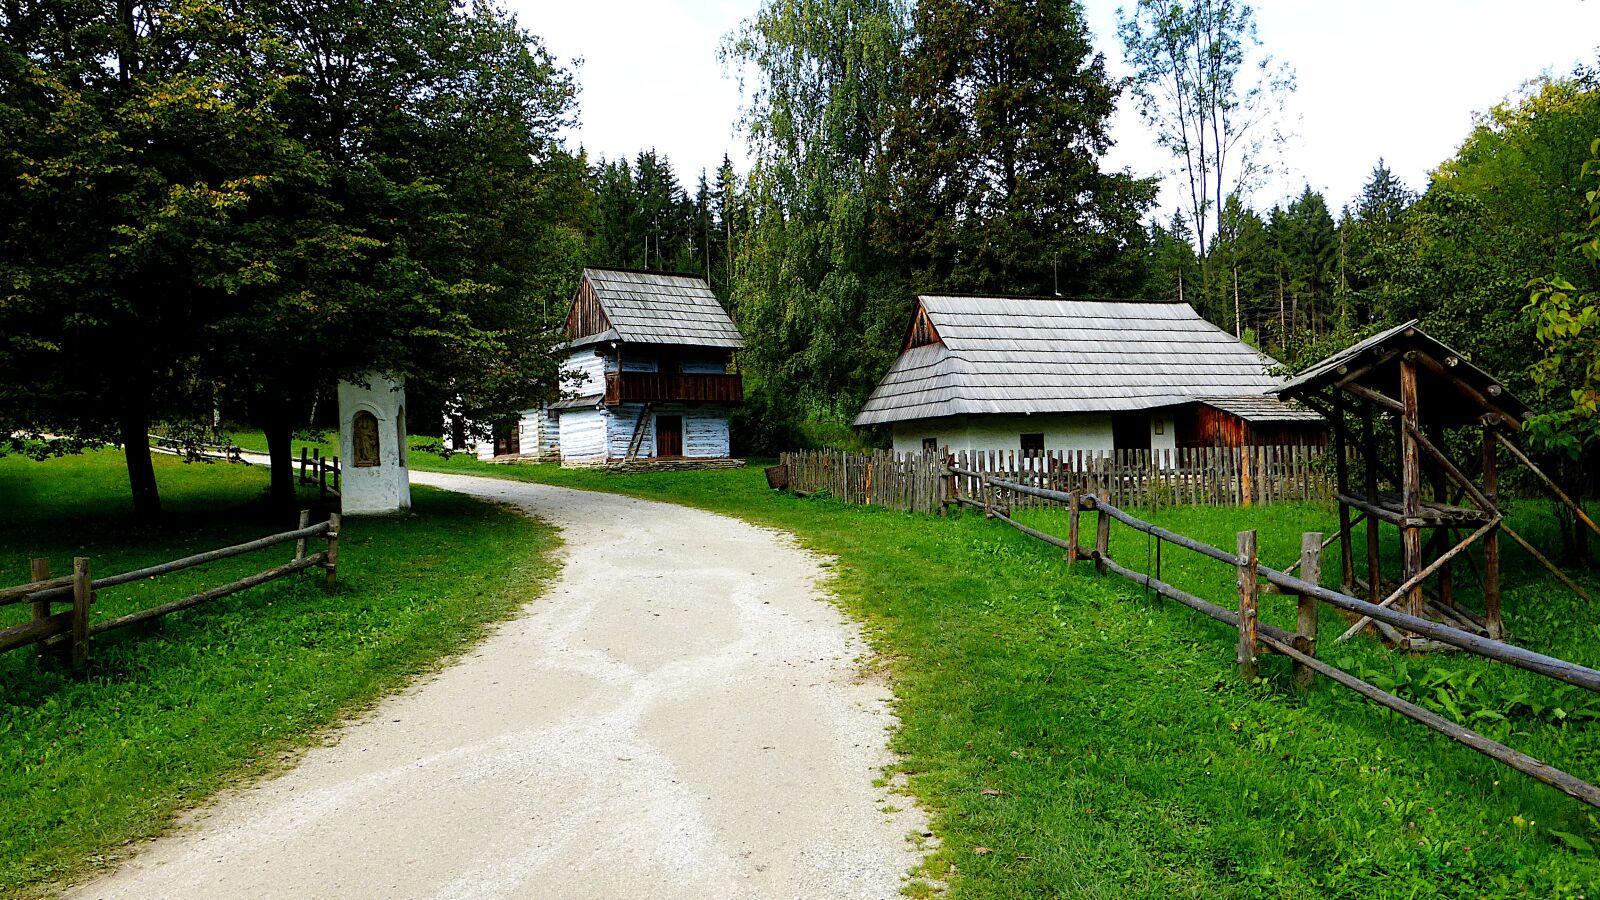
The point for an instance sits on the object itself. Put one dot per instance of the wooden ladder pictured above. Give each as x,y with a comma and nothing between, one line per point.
638,432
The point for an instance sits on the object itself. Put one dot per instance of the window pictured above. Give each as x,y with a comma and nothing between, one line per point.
1161,426
930,445
1033,443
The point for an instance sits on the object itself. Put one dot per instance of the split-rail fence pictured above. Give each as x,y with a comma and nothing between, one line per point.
1192,476
997,497
68,632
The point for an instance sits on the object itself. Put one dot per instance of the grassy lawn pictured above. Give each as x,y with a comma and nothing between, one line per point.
1130,759
168,713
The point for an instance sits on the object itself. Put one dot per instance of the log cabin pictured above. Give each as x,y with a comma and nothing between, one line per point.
647,374
1047,374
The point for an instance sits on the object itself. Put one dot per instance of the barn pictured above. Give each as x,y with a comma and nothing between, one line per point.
1050,374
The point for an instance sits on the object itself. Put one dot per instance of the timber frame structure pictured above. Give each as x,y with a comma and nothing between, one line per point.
1425,388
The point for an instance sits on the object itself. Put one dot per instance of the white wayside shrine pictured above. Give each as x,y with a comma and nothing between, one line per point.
372,436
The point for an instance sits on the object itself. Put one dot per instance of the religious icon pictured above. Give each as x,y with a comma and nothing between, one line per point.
364,438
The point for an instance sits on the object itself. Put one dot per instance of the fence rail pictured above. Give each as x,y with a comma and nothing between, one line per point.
69,631
1300,645
315,469
1211,476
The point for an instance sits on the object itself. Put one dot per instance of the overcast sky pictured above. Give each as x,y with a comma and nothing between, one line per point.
1400,79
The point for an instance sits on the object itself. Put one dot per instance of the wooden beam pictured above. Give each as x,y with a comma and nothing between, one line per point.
1466,390
1410,484
1305,631
1248,587
1491,547
1556,489
1347,563
1554,570
1377,399
1414,582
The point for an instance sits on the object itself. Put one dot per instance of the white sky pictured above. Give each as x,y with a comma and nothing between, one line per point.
1400,79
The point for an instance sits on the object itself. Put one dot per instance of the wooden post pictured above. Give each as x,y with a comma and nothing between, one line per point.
1102,536
332,565
1247,605
336,473
1491,541
82,596
1411,483
303,461
1072,529
39,570
322,477
1369,449
1341,466
1305,627
300,545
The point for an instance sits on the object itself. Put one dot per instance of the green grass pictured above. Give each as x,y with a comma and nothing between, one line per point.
1132,761
168,713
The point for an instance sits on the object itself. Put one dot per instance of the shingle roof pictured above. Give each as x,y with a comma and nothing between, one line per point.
1010,355
660,308
1262,409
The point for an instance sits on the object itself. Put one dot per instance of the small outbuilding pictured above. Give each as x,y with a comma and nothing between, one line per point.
1038,375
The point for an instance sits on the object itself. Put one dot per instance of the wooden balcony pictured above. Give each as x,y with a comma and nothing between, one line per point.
665,387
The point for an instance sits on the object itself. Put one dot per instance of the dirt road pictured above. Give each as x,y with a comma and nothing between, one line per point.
682,716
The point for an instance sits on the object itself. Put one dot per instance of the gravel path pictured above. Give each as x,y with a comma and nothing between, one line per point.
682,716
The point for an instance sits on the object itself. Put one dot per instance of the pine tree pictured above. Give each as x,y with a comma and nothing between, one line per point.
998,186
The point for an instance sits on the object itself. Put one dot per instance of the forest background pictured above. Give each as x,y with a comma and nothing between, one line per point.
229,205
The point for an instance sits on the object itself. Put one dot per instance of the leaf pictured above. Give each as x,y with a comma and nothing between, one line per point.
1573,841
993,792
982,851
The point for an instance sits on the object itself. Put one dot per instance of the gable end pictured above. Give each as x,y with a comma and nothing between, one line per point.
922,332
586,316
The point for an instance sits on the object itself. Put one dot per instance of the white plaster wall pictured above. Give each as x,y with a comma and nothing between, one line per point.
583,435
591,369
385,488
1088,432
1168,439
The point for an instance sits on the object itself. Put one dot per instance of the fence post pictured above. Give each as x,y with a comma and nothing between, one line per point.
988,499
1072,528
1102,536
300,545
303,460
1247,605
1305,629
332,564
322,477
39,570
336,485
82,596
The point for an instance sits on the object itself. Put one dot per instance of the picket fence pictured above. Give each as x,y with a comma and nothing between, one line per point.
1193,476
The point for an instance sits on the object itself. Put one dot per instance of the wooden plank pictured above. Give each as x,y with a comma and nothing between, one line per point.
1073,512
35,631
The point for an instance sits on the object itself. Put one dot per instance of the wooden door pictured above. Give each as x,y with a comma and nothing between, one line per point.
669,435
508,440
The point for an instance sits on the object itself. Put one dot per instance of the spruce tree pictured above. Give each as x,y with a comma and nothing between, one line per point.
993,158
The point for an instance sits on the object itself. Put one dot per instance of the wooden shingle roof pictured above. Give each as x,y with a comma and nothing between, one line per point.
1012,355
656,308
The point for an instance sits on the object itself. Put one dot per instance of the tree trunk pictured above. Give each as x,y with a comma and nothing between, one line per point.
280,434
135,431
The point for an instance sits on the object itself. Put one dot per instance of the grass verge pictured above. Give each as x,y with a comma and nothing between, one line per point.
1073,737
169,713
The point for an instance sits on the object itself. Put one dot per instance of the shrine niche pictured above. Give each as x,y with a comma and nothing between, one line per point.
372,435
364,438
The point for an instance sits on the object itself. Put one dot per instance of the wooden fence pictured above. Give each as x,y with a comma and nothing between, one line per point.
69,631
997,497
1196,476
315,469
910,482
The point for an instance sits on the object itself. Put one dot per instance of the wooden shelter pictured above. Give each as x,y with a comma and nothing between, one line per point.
1425,389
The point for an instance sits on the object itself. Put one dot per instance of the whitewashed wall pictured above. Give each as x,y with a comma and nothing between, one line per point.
385,488
620,422
1088,432
705,433
590,367
1167,420
583,435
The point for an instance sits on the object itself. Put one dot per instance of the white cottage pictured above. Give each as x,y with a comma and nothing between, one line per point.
1041,375
649,370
